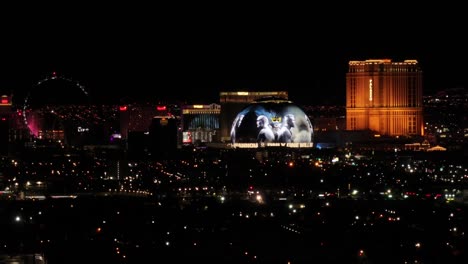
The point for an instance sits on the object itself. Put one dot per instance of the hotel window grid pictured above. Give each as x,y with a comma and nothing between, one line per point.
412,92
353,93
412,125
392,103
353,123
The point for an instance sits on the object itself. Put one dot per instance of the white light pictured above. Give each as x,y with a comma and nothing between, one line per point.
259,198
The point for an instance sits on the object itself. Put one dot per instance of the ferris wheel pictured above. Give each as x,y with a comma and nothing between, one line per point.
45,105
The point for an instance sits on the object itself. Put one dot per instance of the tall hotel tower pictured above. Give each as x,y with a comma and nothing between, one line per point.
385,97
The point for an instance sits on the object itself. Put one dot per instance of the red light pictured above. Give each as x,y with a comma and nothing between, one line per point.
123,108
4,101
161,108
54,73
19,113
3,118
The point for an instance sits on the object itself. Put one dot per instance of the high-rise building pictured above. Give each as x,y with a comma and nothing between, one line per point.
163,136
5,114
385,97
200,123
136,118
148,128
233,102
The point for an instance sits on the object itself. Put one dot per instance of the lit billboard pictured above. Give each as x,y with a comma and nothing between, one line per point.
272,123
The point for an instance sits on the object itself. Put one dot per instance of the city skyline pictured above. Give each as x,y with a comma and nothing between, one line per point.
146,147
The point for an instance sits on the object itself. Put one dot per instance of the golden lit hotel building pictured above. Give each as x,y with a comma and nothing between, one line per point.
385,97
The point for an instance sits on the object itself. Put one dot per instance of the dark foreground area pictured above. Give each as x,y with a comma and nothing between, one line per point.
121,229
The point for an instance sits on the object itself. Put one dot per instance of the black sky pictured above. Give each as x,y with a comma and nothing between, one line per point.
156,52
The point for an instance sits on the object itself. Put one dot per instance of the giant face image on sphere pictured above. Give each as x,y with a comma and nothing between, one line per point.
273,121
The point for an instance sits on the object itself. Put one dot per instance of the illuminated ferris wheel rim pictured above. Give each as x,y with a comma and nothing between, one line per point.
53,76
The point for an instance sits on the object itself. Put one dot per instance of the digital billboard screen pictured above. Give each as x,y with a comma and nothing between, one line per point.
271,122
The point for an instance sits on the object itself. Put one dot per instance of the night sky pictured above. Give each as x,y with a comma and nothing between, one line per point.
154,52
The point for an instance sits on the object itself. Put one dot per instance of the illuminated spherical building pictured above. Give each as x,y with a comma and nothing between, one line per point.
272,122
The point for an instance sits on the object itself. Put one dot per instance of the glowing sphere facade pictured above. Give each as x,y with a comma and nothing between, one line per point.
271,122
